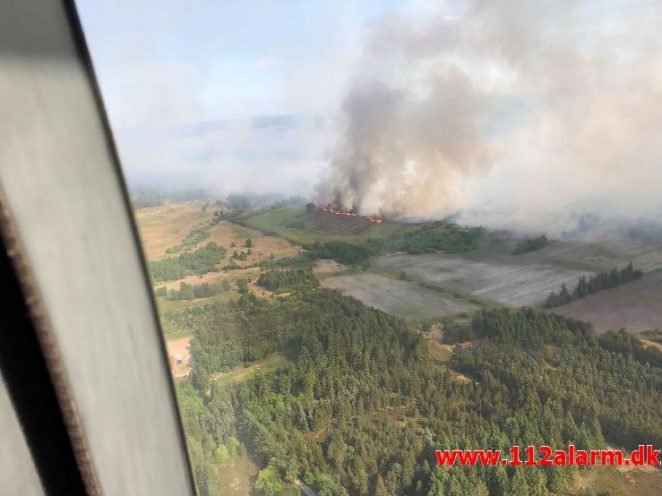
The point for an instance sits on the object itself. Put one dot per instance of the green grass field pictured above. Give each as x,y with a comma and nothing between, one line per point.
278,220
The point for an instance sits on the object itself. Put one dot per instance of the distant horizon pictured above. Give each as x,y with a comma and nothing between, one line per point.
396,106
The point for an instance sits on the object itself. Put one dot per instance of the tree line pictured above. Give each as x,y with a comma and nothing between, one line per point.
192,291
531,244
296,278
589,285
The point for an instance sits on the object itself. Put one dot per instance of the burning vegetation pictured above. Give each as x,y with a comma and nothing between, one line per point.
334,209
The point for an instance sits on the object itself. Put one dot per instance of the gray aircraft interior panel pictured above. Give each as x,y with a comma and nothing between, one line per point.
18,474
66,201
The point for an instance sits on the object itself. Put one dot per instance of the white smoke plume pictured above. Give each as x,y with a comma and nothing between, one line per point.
511,111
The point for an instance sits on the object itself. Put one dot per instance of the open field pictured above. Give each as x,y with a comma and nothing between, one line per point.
166,225
403,298
510,284
635,307
225,233
290,223
590,252
600,254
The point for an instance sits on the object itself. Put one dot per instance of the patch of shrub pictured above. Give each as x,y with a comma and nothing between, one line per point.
340,251
531,244
585,286
196,262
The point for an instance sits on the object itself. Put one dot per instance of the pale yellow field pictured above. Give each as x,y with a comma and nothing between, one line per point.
225,233
166,225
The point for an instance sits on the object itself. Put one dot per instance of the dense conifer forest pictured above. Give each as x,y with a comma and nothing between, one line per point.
361,407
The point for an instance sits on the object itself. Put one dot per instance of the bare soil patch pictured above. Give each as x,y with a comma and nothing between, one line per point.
180,348
648,342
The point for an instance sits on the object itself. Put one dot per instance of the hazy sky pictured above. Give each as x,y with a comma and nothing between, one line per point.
185,81
510,111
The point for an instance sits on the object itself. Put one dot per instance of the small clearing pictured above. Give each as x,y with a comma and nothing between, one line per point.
241,373
180,347
237,475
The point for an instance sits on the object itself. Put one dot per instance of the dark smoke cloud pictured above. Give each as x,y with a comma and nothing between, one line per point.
509,111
